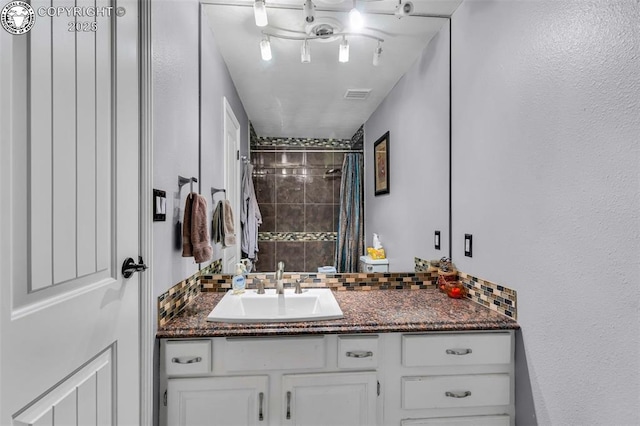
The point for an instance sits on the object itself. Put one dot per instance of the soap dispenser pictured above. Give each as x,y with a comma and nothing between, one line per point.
239,282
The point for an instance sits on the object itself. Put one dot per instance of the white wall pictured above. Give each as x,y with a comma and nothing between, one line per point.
216,85
416,114
176,124
175,128
546,121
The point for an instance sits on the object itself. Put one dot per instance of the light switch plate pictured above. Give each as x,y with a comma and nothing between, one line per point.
468,245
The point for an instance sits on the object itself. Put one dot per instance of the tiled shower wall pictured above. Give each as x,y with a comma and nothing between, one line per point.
299,199
300,206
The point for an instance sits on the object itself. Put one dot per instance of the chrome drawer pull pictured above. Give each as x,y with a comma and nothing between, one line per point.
359,354
458,395
188,361
458,351
260,415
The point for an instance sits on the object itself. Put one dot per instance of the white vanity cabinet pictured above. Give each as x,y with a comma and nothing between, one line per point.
303,380
448,378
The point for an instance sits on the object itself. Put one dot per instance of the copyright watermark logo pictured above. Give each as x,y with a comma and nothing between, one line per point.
17,17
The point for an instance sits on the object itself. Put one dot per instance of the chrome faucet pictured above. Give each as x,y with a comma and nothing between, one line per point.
298,289
259,285
279,281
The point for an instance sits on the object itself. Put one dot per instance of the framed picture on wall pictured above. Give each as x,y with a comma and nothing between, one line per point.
381,165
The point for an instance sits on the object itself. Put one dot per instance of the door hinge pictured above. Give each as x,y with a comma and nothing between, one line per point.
378,388
164,398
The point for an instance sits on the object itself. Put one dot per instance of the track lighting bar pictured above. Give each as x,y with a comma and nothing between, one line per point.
305,51
303,37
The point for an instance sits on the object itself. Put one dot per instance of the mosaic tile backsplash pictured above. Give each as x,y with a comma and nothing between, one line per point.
210,279
171,302
338,282
495,297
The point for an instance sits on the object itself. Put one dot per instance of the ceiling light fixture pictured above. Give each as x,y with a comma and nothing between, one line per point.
355,18
403,9
260,13
376,54
309,11
343,55
265,49
305,52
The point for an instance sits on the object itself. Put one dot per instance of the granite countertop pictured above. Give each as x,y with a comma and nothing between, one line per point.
374,311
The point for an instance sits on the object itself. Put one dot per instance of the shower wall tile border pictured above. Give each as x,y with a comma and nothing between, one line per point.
297,236
260,142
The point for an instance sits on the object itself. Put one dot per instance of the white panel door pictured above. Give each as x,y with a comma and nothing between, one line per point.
231,254
69,321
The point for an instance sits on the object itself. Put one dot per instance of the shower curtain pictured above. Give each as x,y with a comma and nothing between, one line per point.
350,241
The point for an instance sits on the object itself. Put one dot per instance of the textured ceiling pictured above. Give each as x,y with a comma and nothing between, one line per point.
286,98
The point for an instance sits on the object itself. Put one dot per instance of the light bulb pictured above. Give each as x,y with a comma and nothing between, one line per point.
305,52
343,55
260,13
355,19
265,49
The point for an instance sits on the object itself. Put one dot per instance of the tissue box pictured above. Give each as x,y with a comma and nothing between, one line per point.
376,253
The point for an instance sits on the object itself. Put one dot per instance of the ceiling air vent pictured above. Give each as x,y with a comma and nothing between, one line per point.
357,94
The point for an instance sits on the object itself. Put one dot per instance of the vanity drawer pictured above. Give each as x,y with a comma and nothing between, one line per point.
455,391
358,352
187,357
274,353
456,349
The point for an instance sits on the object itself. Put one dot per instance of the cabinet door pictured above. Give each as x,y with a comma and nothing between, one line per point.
335,399
224,401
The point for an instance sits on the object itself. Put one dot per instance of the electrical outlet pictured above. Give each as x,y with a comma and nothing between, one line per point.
468,245
436,240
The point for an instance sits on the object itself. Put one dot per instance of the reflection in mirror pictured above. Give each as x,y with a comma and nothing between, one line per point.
308,111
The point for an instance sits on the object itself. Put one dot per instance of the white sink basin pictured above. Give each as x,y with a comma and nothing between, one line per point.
313,304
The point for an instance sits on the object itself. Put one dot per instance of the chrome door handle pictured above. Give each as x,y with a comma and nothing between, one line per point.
359,354
459,351
458,394
193,360
130,266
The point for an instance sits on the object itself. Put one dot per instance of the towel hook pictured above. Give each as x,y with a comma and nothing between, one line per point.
216,190
183,181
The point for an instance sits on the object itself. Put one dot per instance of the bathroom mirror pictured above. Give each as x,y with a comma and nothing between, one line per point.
304,102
